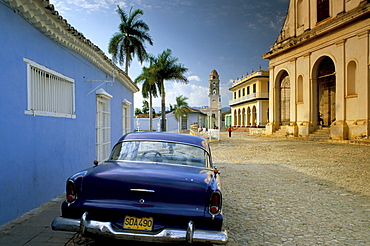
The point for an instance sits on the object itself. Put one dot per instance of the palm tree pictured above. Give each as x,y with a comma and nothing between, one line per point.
165,68
149,89
181,109
145,107
181,102
130,39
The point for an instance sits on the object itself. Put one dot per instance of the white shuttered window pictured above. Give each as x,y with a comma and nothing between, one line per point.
126,126
103,126
49,93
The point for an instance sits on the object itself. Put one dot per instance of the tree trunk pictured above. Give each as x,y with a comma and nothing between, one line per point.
179,124
127,62
163,104
150,112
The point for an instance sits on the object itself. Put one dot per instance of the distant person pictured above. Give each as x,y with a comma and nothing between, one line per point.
321,120
229,129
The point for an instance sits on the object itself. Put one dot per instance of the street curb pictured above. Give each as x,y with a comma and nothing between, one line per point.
8,226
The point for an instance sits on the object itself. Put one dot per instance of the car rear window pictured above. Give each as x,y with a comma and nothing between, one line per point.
159,151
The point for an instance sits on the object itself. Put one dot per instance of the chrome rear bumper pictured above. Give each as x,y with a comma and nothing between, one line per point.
105,229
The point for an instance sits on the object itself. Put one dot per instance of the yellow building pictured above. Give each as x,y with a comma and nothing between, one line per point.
319,70
249,106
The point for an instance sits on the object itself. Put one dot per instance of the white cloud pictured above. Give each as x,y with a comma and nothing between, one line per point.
230,83
194,78
86,5
197,95
122,4
226,95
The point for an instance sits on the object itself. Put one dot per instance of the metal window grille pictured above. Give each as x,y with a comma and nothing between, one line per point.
49,93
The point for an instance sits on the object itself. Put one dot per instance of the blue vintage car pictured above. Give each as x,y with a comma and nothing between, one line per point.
155,187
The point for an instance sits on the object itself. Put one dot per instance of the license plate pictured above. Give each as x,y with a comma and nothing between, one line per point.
138,223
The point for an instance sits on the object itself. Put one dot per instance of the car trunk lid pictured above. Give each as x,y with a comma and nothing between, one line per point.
150,187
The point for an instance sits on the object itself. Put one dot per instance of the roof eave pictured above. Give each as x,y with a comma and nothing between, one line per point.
43,16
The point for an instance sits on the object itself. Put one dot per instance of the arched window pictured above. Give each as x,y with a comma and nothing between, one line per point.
285,98
323,10
235,117
300,89
254,116
351,78
239,117
243,117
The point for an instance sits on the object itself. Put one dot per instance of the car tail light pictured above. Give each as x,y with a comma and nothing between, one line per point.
215,203
71,192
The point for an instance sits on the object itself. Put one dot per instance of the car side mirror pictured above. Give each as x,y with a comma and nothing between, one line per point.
96,163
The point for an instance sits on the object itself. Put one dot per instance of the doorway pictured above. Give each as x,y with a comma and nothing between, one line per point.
326,91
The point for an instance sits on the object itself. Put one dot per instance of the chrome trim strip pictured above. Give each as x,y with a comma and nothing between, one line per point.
142,190
105,229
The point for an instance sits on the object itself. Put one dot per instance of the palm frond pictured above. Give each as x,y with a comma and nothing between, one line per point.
130,39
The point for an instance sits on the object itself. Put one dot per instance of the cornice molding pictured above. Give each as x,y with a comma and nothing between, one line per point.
43,16
361,13
251,78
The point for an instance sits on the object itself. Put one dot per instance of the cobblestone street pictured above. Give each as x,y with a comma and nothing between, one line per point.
292,192
276,192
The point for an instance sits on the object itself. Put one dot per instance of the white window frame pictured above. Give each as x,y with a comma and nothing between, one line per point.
49,93
126,116
103,126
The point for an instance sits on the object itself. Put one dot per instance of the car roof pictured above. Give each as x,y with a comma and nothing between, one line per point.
167,136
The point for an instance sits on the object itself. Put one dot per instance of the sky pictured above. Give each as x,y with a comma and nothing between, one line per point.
226,35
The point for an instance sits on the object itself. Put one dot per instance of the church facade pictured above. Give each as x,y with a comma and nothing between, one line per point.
319,70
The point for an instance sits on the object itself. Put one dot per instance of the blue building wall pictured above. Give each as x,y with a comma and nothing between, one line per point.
38,153
200,119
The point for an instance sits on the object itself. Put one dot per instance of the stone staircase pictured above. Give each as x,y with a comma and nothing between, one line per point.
240,129
281,133
320,134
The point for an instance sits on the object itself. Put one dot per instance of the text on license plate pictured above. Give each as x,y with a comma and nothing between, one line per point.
138,223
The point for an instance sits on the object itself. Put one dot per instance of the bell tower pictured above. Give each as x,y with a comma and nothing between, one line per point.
213,110
214,90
